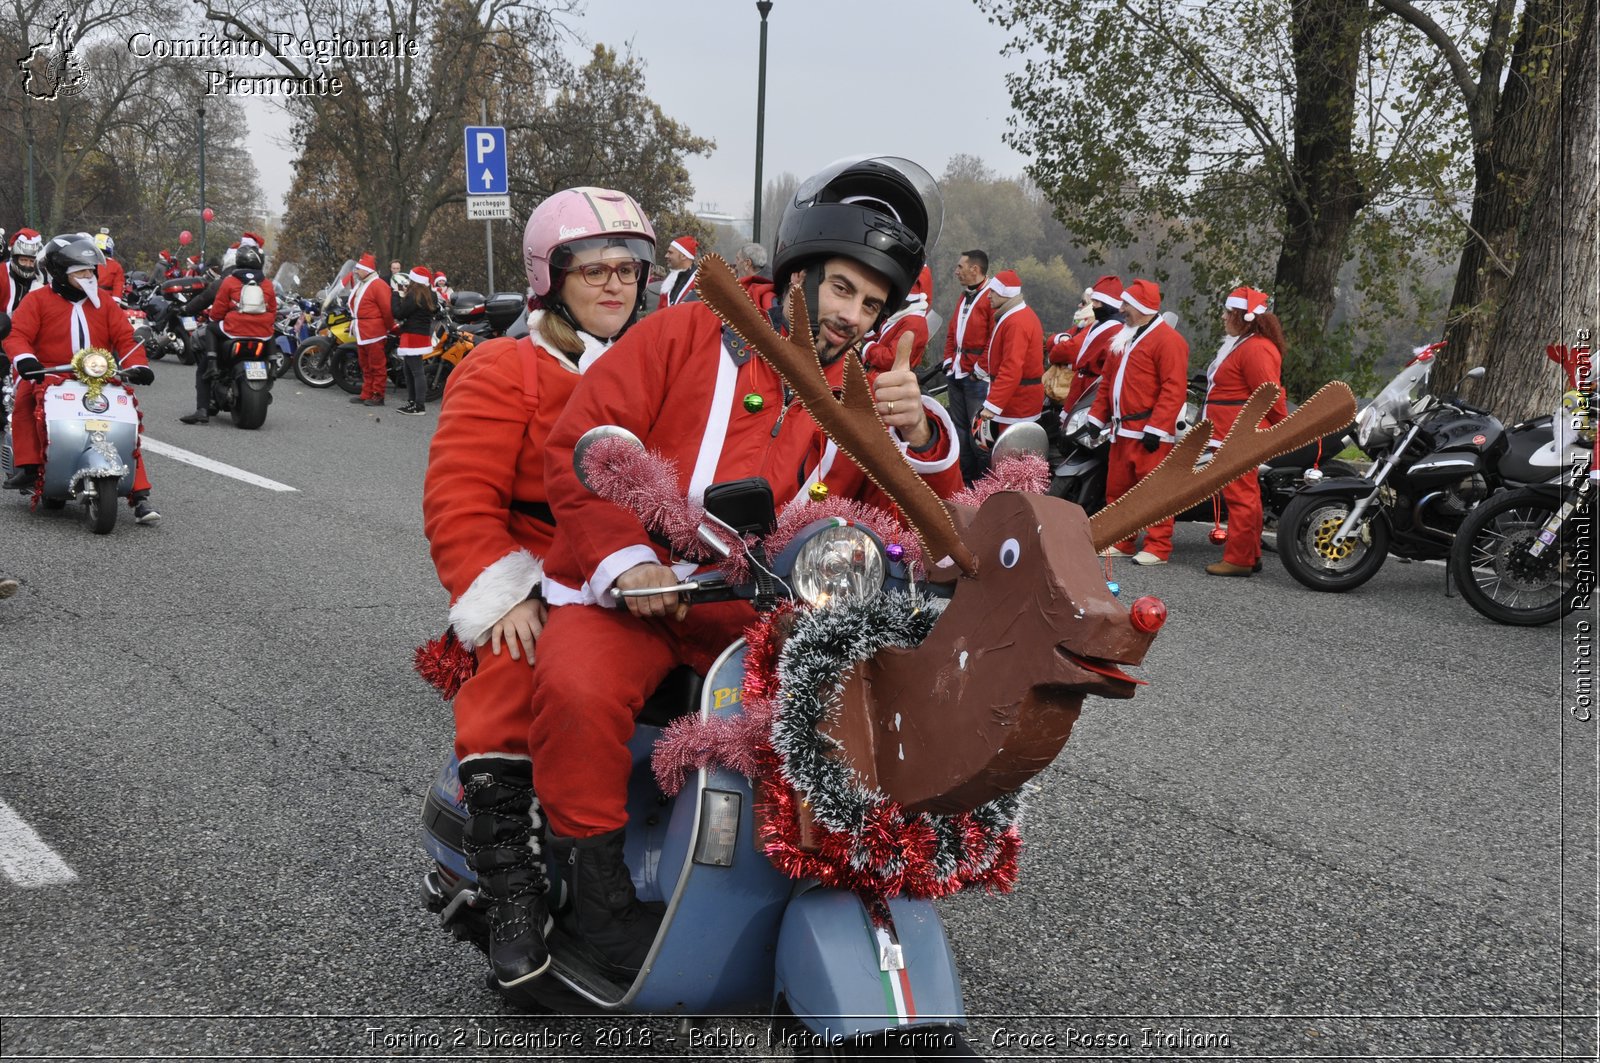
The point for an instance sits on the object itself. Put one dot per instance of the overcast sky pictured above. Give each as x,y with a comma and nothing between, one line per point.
919,78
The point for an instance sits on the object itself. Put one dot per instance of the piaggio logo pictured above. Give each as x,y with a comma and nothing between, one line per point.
52,70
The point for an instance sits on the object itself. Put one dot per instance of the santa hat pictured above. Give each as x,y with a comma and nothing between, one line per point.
922,291
250,240
368,263
1144,296
1108,290
686,245
438,278
1006,284
1249,300
164,255
421,275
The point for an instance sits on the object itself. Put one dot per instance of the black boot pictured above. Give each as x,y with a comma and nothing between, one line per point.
199,416
21,478
612,924
503,846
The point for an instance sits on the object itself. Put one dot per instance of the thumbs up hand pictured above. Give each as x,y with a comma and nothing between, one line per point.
899,397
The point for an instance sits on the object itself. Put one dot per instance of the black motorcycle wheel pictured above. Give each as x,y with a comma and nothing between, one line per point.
155,351
1496,574
100,511
435,374
186,349
1305,544
250,407
312,362
346,368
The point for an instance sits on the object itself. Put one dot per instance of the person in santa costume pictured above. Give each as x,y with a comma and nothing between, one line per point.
111,278
1251,354
910,320
966,337
371,321
51,325
489,526
441,288
1012,364
414,312
697,396
21,274
1088,354
1148,373
228,320
681,256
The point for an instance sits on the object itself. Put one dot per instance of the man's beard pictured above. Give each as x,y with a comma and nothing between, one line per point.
827,352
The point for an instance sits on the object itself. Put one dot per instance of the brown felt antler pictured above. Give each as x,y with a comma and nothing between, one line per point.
1175,484
851,420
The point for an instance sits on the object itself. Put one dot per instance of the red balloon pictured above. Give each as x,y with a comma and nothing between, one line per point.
184,237
207,214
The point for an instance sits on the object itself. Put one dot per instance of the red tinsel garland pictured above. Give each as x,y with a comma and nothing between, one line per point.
445,663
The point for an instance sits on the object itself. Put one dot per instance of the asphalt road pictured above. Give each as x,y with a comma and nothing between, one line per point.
1332,827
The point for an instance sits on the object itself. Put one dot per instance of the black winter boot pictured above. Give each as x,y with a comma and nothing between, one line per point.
22,478
615,928
503,844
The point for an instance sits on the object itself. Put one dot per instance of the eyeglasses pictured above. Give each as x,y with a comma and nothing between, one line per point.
598,275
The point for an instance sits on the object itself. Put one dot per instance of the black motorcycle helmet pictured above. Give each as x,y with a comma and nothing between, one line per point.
881,211
69,251
247,257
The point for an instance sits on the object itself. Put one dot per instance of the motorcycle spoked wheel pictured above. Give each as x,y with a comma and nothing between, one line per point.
1305,533
311,362
100,509
910,1044
186,351
1494,571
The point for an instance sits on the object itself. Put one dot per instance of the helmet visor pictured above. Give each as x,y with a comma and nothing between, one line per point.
563,256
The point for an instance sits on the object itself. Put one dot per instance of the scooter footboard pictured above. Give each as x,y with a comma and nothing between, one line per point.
842,976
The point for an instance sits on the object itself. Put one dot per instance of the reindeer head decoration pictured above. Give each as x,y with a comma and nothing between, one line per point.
988,699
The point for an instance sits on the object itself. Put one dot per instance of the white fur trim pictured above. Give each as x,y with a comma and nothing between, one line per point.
678,247
610,569
470,757
1004,291
499,587
1136,304
948,427
419,278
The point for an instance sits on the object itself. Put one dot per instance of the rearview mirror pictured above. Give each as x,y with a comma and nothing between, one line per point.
1025,438
593,436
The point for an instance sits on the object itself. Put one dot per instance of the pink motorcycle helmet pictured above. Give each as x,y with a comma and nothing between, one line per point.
577,219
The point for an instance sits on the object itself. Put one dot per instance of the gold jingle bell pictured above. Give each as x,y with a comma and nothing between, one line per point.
818,492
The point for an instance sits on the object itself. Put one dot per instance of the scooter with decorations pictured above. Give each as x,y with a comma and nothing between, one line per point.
91,430
796,810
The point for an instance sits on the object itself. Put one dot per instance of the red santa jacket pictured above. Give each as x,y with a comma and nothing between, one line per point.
1014,364
1089,356
372,311
111,279
1148,371
1241,366
53,329
967,333
878,354
668,297
485,509
1062,347
225,307
12,293
674,383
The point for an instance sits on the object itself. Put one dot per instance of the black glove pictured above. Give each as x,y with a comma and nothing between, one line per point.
139,374
1085,439
28,368
1151,441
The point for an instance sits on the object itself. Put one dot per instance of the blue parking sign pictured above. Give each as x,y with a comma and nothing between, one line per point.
486,161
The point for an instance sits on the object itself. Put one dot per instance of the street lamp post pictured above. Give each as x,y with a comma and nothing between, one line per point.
765,7
202,185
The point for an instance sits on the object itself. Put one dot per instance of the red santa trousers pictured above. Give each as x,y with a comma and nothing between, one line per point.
596,668
27,438
1243,498
495,706
374,369
1129,463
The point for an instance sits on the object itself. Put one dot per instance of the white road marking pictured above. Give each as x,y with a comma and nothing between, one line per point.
24,857
200,461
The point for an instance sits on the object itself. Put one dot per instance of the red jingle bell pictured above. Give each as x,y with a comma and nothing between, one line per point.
1218,536
1148,614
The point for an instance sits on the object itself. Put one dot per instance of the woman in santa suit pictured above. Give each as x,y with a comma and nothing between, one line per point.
588,253
1251,355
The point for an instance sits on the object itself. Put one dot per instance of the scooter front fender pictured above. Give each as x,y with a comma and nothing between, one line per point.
841,976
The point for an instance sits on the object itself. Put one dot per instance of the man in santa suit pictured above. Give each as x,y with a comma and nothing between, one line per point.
1251,355
228,321
54,323
1148,375
965,338
1013,363
21,274
371,321
910,320
703,400
1089,353
681,255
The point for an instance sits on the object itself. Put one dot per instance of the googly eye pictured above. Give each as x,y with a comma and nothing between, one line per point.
1010,553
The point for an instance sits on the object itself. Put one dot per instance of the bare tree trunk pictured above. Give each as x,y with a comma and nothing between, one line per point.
1507,167
1325,192
1553,293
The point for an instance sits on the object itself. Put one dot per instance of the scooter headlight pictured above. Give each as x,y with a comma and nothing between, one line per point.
840,563
1076,422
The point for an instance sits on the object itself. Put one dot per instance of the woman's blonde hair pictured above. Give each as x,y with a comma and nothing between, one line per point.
558,332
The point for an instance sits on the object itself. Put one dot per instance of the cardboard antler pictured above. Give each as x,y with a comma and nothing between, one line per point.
1175,484
851,420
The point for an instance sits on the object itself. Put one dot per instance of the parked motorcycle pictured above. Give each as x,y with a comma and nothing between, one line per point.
1517,558
292,326
91,430
468,321
171,330
1435,458
313,360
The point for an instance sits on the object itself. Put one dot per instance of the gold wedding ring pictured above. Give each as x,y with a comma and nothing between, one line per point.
891,405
